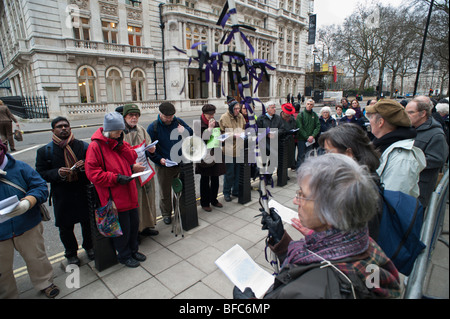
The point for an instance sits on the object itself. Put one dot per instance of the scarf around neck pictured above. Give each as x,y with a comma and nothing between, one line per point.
332,244
401,133
69,156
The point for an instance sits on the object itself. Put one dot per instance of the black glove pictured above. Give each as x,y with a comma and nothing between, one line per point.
120,139
123,180
247,294
273,224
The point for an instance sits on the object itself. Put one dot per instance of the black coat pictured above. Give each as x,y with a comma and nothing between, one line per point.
218,168
69,200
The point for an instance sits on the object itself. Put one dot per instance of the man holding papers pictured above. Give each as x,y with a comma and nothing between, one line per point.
24,231
167,125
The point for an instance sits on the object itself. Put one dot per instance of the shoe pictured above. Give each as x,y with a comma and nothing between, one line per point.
149,232
13,150
91,254
138,256
217,204
235,195
73,260
51,291
167,220
131,262
227,198
207,208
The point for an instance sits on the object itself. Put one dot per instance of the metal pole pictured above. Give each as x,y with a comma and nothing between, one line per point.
423,48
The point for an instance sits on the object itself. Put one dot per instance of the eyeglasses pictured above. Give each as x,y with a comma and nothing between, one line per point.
299,196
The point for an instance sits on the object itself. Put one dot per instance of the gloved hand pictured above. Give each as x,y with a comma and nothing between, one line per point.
120,139
273,224
23,206
123,180
247,294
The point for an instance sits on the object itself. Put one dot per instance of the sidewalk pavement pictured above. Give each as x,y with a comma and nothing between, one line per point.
184,268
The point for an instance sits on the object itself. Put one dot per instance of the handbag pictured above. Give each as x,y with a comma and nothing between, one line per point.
45,214
106,217
18,135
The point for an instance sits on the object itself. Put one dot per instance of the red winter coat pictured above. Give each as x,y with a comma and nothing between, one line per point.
118,160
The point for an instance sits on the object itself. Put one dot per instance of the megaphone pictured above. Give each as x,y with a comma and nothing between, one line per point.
193,148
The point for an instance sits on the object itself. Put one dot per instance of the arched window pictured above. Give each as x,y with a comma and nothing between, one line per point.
113,85
86,84
137,85
279,86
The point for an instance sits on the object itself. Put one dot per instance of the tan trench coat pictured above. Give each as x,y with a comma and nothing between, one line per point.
146,193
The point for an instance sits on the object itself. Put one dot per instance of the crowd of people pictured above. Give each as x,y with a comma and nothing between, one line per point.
400,147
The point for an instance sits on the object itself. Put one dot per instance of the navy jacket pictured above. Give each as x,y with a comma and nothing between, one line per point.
25,176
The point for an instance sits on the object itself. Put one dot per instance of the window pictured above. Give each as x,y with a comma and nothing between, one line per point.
134,35
81,30
188,38
113,85
137,85
109,32
86,84
189,4
133,3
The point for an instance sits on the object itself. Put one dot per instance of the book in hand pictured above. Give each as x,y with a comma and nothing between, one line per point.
244,272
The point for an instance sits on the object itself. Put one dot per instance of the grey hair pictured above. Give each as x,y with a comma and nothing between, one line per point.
423,105
442,108
346,196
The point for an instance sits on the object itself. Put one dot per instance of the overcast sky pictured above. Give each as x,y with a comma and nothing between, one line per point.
335,11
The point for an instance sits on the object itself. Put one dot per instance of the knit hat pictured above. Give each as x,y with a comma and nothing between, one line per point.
392,111
131,108
288,108
167,108
113,122
231,104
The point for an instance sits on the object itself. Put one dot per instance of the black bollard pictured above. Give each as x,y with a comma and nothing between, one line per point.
105,254
188,204
283,151
245,194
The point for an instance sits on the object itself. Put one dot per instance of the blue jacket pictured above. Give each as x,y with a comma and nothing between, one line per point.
162,134
25,176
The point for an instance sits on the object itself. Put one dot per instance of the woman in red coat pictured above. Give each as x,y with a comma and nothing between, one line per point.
109,163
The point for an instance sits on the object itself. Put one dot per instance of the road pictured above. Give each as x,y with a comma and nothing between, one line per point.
27,153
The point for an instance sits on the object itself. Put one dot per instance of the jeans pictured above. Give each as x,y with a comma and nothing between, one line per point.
231,178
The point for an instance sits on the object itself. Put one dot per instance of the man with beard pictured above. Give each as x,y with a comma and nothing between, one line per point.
61,163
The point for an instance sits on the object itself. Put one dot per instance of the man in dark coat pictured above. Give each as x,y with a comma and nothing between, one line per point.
61,163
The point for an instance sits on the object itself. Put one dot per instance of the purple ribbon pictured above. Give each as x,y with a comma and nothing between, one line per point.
227,16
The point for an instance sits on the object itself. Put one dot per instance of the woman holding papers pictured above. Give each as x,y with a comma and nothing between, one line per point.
108,165
339,259
210,170
23,232
137,137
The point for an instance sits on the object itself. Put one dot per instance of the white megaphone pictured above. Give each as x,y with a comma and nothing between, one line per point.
193,148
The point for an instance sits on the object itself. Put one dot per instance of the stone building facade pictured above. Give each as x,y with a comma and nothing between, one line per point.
97,54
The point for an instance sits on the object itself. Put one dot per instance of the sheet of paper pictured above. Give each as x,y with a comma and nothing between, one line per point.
285,213
7,205
243,272
170,163
223,137
309,144
151,145
142,158
142,173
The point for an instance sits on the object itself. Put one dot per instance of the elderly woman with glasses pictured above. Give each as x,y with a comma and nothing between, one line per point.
339,259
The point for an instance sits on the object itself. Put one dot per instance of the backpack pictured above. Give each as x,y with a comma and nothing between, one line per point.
400,227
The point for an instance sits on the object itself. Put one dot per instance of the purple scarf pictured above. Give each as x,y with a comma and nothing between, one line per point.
331,244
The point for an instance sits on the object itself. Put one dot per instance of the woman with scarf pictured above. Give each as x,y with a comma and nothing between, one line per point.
209,172
61,163
135,135
339,259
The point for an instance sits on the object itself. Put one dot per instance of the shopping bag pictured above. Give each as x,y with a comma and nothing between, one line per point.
107,220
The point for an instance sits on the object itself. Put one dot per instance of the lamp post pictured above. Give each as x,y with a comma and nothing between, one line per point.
314,72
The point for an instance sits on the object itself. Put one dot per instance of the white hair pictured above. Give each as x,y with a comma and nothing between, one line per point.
325,109
442,108
271,102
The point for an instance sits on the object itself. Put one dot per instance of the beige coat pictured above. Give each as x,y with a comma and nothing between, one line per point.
237,124
146,193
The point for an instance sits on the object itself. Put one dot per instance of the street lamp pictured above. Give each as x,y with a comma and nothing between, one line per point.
314,71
